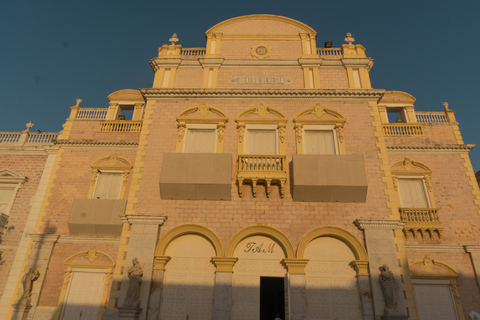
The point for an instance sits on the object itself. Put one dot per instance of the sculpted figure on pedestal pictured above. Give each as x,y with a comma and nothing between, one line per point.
28,279
135,274
389,287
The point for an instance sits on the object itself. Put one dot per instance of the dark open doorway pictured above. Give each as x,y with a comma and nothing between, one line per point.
272,298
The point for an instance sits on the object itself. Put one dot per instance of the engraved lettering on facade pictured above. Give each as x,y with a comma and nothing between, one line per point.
261,80
253,247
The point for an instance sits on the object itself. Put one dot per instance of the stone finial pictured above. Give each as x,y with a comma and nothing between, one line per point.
349,39
174,39
445,105
78,102
29,126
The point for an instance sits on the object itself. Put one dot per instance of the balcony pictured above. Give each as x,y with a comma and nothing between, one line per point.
402,129
196,176
329,178
421,220
96,217
261,168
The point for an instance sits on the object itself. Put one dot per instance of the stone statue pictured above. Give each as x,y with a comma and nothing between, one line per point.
135,274
28,279
445,105
389,287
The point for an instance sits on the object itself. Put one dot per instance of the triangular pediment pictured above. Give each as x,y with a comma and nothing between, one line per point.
9,176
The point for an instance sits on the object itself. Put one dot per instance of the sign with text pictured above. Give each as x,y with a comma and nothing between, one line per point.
261,80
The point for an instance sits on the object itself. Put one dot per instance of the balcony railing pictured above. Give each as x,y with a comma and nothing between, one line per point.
91,114
9,137
27,138
194,52
121,126
421,220
261,168
431,117
336,52
402,129
41,138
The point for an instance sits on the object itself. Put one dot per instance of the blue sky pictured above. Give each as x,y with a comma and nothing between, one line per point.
52,52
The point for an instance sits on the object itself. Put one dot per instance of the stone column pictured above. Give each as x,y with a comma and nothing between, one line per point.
222,300
381,248
297,304
142,242
363,282
38,259
475,256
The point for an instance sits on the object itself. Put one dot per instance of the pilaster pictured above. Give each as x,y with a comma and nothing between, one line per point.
381,248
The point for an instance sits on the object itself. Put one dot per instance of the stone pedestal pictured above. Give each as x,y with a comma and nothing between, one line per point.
20,311
222,306
381,248
298,302
129,313
155,295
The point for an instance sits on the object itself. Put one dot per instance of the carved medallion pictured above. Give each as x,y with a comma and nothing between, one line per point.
261,51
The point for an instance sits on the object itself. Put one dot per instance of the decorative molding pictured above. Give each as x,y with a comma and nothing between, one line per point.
364,224
233,93
87,142
295,266
432,148
436,248
224,264
36,237
472,249
361,267
160,262
87,239
144,219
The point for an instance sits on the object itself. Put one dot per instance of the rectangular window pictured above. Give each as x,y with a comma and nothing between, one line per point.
356,78
396,115
6,197
200,139
319,139
261,141
109,185
435,300
412,193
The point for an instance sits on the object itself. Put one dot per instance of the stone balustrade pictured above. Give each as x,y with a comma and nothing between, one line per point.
402,129
91,114
422,221
419,214
27,138
431,117
193,51
121,126
261,168
335,52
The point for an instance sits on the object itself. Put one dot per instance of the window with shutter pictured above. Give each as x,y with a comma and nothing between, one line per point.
319,142
412,193
200,140
261,141
6,196
109,185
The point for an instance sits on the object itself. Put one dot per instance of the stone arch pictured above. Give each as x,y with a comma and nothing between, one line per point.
189,229
428,268
407,166
91,255
264,231
290,21
335,232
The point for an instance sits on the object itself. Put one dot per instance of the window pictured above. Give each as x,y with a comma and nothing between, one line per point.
201,130
109,177
200,139
412,193
9,183
319,131
109,185
6,195
261,140
319,140
396,115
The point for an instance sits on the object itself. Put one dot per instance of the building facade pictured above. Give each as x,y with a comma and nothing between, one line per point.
259,177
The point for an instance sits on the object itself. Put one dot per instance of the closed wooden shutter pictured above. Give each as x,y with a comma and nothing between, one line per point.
412,193
6,195
319,142
200,141
261,141
109,185
435,300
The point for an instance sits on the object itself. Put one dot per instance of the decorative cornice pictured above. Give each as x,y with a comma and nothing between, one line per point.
160,262
472,249
379,224
44,237
295,266
88,142
361,267
432,147
224,264
436,248
234,93
144,219
87,239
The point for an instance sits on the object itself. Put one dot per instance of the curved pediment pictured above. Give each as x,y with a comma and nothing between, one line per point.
91,258
432,268
260,24
112,162
318,114
397,97
126,95
202,114
261,115
407,166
